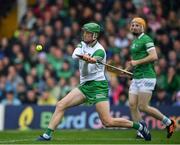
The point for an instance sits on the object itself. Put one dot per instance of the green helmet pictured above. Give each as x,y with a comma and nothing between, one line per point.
91,27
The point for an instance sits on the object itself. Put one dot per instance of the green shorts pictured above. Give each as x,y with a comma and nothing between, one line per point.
94,91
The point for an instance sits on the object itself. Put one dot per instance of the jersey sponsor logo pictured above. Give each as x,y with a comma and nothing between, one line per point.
133,46
149,84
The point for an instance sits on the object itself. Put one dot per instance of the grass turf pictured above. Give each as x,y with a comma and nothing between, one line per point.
87,137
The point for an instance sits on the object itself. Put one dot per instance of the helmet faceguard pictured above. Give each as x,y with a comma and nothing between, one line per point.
90,30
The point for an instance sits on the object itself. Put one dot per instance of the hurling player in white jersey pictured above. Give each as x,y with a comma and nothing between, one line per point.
93,88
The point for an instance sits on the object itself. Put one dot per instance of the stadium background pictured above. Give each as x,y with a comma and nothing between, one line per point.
31,82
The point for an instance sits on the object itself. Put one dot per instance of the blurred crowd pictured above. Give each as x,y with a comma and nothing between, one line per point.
28,77
5,7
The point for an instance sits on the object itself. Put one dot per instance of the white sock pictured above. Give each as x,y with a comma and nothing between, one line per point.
46,136
166,121
139,133
140,127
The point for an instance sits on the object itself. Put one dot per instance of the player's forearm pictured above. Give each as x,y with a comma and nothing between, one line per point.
147,59
76,51
152,56
74,56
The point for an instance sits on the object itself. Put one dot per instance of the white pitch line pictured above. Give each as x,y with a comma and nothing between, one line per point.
68,139
11,141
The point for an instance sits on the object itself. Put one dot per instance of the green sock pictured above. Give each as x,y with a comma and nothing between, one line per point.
49,131
136,125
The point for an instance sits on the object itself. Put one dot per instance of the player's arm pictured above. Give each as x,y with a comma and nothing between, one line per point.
85,57
151,50
152,56
88,58
98,54
77,51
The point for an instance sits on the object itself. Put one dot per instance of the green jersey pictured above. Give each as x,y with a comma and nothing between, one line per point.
139,50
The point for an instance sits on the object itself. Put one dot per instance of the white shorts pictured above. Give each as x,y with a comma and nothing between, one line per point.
142,85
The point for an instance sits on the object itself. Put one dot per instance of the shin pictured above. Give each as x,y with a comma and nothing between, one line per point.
143,105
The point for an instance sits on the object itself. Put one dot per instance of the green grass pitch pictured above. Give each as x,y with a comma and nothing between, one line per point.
104,136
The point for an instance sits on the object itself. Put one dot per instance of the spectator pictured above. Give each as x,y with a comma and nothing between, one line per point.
40,67
65,88
46,99
20,68
172,81
65,72
29,20
21,92
31,97
161,98
123,99
116,90
10,99
13,78
52,88
121,41
177,103
2,87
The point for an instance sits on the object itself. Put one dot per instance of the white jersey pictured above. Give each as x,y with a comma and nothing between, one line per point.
90,71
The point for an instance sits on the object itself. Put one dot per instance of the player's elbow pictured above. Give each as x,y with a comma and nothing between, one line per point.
74,56
154,57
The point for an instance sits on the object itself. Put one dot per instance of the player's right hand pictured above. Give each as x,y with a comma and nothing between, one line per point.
88,58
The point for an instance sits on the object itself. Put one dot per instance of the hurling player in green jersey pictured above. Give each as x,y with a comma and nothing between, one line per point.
143,55
93,88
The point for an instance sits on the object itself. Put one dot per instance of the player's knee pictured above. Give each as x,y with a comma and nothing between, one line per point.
60,106
143,107
107,122
132,106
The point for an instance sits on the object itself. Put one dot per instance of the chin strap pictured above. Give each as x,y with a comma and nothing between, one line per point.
95,35
92,43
